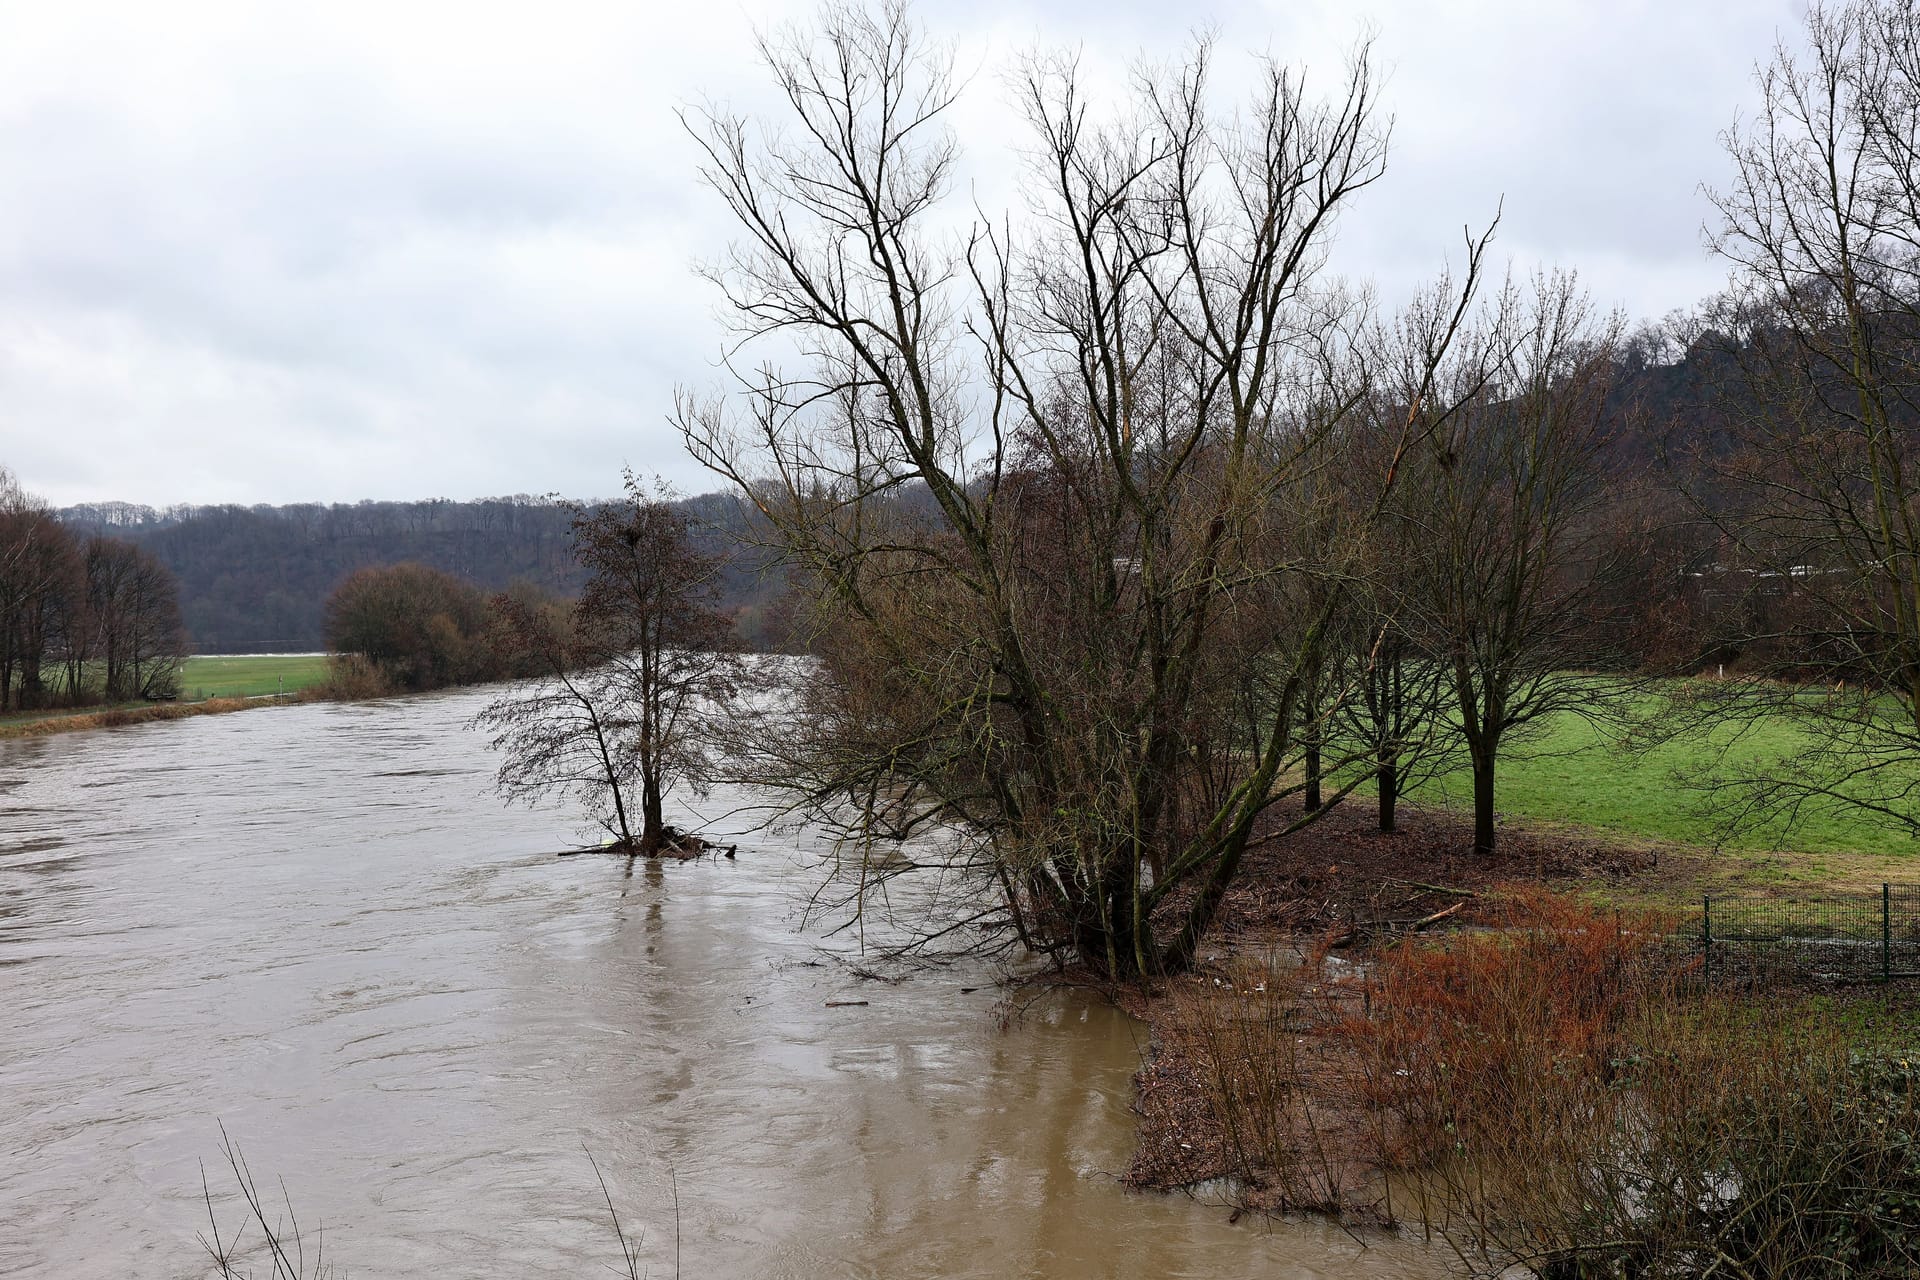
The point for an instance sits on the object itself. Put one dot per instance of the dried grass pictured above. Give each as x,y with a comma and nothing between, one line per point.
1558,1092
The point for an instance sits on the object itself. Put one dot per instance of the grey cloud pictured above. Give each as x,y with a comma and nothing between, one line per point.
356,258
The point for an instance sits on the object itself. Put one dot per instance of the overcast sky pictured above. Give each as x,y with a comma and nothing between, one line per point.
260,253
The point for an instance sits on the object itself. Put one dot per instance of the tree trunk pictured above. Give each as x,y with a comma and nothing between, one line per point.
1310,737
620,814
1483,835
653,826
1387,782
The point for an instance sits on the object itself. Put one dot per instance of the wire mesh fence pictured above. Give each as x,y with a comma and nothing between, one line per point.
1758,939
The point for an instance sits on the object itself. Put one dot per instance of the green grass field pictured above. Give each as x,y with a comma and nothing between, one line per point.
1569,773
213,676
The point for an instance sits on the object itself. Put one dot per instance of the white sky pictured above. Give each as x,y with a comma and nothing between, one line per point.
266,253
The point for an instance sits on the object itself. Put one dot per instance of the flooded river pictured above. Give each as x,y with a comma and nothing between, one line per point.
317,926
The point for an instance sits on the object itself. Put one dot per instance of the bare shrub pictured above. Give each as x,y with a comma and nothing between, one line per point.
1282,1088
282,1242
282,1239
1557,1093
1458,1031
351,677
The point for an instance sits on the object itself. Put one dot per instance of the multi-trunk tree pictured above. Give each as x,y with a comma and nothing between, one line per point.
1035,479
1508,500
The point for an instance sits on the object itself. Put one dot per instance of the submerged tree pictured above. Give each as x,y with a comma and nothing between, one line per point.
627,680
1037,482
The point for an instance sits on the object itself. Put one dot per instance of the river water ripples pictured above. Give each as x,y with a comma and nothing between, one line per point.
317,926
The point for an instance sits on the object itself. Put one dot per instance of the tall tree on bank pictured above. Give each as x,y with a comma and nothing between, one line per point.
1512,491
132,617
36,556
1818,496
1034,480
628,684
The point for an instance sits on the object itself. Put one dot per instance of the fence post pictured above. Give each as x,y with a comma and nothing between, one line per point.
1706,940
1886,933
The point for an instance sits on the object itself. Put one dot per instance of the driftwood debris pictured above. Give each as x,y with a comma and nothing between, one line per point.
868,975
1431,888
682,846
1435,918
845,1004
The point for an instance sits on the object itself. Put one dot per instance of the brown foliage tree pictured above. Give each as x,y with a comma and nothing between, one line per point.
133,620
36,569
413,627
64,608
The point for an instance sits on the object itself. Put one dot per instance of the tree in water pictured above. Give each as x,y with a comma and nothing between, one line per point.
1035,483
626,680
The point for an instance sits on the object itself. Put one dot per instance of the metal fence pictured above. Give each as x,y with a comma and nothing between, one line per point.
1758,939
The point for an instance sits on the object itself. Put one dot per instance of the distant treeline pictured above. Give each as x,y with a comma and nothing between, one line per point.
84,618
255,579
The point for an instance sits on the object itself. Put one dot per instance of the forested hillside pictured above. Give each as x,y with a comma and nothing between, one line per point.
254,579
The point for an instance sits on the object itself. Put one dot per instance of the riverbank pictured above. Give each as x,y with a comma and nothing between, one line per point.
72,721
1346,960
210,684
1338,885
1558,1088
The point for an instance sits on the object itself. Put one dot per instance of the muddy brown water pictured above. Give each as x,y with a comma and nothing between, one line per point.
316,926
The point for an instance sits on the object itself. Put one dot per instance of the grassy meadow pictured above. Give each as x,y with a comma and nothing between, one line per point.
208,684
251,676
1567,771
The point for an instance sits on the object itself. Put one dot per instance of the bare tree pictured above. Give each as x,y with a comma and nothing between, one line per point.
133,611
1816,497
1032,479
1392,715
1511,492
37,561
628,682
